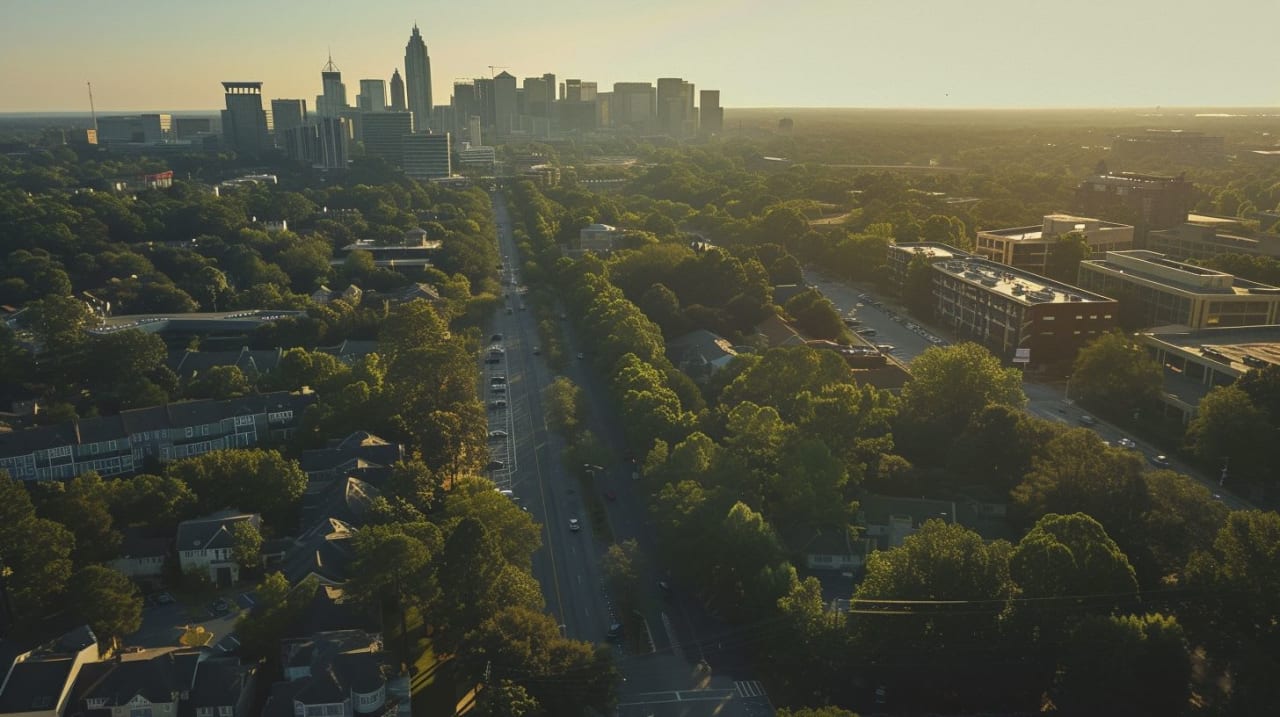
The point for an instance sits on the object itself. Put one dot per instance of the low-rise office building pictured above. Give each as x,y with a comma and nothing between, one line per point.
900,256
1202,237
1156,291
1196,361
1029,247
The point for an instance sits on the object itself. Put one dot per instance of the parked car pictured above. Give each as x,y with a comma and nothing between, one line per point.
574,525
865,332
495,435
1159,461
498,388
500,403
537,351
1127,443
581,355
496,465
885,348
1087,420
495,380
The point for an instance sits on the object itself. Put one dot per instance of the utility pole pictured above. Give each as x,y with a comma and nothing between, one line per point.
1226,463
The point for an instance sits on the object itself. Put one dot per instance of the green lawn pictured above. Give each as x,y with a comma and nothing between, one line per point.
431,683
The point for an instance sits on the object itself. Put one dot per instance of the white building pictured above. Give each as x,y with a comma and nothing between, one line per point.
206,544
598,237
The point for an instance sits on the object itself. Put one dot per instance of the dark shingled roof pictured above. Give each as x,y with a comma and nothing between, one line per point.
213,531
219,682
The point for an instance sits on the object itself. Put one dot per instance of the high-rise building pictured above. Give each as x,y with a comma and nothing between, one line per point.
333,99
633,105
417,75
550,79
427,156
287,114
485,102
373,96
244,122
675,105
710,113
504,104
474,133
133,129
381,133
397,92
332,143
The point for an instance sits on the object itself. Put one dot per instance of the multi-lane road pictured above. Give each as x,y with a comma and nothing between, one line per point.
892,327
668,679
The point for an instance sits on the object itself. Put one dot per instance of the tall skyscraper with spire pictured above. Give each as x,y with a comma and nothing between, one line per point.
397,92
417,75
334,99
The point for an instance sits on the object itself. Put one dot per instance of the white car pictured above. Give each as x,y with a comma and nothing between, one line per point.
1126,443
495,435
574,525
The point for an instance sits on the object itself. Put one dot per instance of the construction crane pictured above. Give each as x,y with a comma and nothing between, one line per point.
493,70
92,112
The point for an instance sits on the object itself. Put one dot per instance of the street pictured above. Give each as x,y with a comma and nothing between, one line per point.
1044,400
568,564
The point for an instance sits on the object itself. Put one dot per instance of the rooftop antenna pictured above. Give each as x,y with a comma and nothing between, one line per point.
92,112
329,66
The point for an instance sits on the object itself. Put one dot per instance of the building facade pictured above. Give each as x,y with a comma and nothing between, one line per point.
417,76
710,113
135,129
427,156
1205,237
397,92
333,98
1196,361
633,105
1146,201
287,115
244,122
1029,247
383,133
1156,291
373,96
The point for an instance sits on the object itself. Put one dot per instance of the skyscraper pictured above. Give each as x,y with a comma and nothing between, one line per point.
710,113
671,99
381,133
417,75
244,122
334,97
287,114
373,96
504,104
397,92
633,104
427,156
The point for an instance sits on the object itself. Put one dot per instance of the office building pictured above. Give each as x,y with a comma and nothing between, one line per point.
1197,361
372,97
1029,247
417,76
397,92
1146,201
672,110
189,127
287,115
333,99
1156,291
633,106
323,143
474,134
1018,315
244,122
481,159
484,90
1203,237
1169,145
382,132
710,113
443,118
135,129
538,96
504,104
427,156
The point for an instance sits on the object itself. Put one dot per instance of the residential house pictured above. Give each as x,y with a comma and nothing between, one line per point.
340,457
38,683
776,333
887,521
122,444
350,351
206,544
835,549
324,295
190,365
165,682
343,673
700,353
143,553
405,294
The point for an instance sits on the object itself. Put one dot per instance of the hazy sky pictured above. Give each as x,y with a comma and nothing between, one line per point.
172,54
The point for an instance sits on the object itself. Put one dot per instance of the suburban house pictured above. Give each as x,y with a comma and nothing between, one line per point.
405,294
887,521
341,456
777,332
205,544
341,673
189,365
165,682
835,549
700,353
122,444
143,554
38,682
325,295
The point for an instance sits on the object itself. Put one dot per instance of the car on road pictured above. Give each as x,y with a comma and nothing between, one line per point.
537,351
574,525
498,388
500,403
615,631
886,348
496,465
1087,420
665,587
1127,443
581,355
1159,461
495,380
865,332
564,316
522,307
508,311
851,322
493,360
495,435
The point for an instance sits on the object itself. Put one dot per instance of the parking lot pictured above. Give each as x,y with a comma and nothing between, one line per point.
163,624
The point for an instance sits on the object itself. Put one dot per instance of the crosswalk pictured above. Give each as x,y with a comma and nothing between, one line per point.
749,688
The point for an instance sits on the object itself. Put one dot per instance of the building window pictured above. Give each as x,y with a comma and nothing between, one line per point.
190,431
139,712
1049,318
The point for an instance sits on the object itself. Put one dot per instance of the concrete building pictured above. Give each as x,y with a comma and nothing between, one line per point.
1146,201
672,107
466,104
598,237
427,156
333,99
189,127
504,104
397,92
538,97
485,101
244,122
324,143
382,134
1156,291
481,159
1020,316
1028,247
417,76
1202,237
710,113
373,96
135,129
1197,361
288,115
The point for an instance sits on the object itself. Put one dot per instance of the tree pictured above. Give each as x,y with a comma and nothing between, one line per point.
1065,255
513,532
917,286
816,315
35,553
246,545
250,479
565,406
505,698
276,607
948,388
1228,426
81,504
815,712
996,448
220,383
782,376
622,566
1121,666
392,563
1181,518
107,600
1116,375
159,502
1068,555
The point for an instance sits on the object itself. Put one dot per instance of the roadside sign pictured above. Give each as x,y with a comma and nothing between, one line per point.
1022,356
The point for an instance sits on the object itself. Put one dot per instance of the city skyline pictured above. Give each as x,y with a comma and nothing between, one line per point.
907,54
